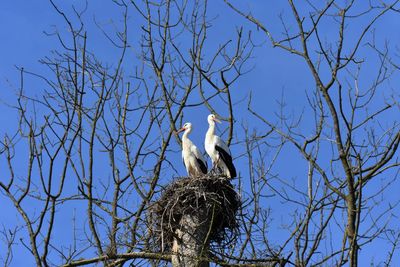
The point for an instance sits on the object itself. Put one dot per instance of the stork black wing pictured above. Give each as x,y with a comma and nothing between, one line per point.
227,160
203,166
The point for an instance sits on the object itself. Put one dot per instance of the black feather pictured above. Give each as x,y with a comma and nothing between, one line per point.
227,160
203,166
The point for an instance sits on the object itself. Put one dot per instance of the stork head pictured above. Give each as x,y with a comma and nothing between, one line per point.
187,126
212,119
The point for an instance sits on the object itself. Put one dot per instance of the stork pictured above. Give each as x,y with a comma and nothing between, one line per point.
193,160
217,150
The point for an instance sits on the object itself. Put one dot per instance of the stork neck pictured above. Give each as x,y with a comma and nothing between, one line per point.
185,134
211,128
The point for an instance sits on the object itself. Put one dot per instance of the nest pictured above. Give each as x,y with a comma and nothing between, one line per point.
209,194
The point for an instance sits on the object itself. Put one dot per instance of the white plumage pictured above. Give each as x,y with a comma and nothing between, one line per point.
217,150
192,158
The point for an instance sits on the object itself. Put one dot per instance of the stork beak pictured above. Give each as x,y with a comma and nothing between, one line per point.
180,130
217,120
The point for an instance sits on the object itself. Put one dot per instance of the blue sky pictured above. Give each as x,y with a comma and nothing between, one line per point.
274,75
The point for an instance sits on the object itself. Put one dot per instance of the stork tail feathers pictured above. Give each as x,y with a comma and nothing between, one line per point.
203,166
227,159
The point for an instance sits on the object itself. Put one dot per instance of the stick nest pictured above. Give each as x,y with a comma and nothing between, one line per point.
209,194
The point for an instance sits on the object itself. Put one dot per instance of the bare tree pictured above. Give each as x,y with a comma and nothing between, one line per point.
96,139
346,150
96,144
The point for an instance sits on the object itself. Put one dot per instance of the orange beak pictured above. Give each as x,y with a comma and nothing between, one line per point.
216,120
181,130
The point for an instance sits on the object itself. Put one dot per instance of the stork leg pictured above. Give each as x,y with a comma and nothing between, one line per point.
216,169
212,171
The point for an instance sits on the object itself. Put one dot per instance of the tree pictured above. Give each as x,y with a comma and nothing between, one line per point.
95,147
345,115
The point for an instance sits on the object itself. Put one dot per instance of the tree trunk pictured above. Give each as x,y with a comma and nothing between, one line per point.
351,229
191,244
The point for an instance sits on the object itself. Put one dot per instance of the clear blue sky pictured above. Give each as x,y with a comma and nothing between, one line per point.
275,74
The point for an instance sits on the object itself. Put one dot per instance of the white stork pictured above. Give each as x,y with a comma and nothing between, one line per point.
193,160
217,150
